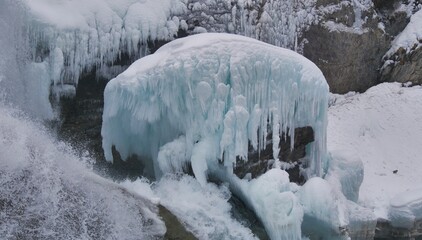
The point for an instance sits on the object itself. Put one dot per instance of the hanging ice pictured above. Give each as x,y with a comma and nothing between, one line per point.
212,94
60,40
97,32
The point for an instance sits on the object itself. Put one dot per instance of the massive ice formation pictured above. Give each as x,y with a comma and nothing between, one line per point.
203,98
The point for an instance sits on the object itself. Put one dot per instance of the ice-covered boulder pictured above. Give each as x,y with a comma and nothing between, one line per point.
203,99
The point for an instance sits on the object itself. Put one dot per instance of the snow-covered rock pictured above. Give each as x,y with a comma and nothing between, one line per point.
410,38
220,92
403,62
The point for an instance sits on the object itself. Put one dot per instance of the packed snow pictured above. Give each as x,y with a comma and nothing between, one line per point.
382,127
205,96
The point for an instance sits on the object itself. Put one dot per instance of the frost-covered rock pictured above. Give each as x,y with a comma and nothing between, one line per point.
220,92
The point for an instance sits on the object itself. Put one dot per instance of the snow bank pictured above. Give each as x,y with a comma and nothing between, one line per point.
212,94
382,127
406,208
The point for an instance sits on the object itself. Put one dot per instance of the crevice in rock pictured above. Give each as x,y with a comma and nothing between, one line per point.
260,161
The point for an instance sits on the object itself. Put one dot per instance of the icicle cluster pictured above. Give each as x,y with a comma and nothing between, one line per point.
278,22
80,35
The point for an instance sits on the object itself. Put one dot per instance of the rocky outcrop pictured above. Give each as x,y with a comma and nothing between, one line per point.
403,62
349,60
259,162
347,44
384,230
406,67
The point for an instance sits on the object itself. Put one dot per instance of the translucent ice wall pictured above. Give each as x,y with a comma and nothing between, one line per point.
201,99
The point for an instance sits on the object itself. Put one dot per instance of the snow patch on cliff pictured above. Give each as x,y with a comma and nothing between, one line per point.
410,38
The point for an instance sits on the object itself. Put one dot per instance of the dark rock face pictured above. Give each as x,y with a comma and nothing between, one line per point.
175,229
248,218
394,22
259,162
349,61
406,67
385,231
348,53
82,115
81,118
